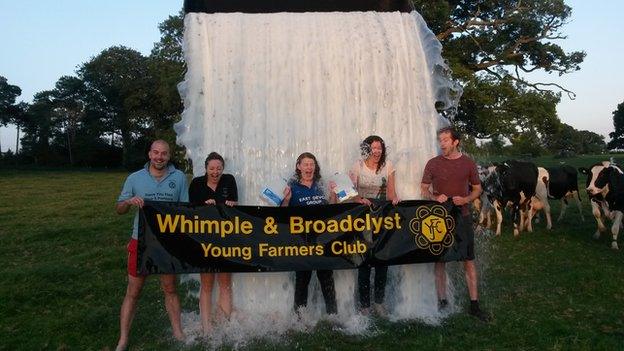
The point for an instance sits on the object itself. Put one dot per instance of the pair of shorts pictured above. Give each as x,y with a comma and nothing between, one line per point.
467,234
133,258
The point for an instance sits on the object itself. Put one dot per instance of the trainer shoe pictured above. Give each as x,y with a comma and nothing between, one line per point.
480,314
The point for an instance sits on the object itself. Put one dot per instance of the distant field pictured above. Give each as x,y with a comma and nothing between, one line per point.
63,273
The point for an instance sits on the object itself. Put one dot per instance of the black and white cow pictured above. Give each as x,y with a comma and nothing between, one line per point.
605,188
559,183
539,201
512,182
563,185
483,205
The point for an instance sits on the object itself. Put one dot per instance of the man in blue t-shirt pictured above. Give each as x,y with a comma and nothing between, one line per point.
157,181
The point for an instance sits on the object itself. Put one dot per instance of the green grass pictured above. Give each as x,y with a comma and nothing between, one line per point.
63,279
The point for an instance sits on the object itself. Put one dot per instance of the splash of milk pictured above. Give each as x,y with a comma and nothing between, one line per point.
263,88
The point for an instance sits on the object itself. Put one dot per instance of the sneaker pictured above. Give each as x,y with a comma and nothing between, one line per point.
480,314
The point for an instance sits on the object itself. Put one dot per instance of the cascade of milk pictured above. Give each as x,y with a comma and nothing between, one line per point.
263,88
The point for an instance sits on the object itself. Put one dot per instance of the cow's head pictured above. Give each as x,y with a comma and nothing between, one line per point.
491,180
508,182
594,173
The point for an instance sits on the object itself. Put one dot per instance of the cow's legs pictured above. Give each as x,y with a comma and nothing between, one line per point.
564,205
526,216
546,205
597,215
615,229
516,216
499,216
577,197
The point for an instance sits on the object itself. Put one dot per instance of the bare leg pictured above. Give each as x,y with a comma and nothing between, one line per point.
225,294
128,308
470,270
172,304
205,301
440,280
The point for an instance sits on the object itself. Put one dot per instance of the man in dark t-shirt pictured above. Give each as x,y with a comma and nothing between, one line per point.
453,177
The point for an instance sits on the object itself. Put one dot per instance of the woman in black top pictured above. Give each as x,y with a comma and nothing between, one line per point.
211,189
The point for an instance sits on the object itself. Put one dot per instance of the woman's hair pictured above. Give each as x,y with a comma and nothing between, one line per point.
214,156
317,168
366,147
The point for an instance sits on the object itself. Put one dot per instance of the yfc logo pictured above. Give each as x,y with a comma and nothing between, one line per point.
433,228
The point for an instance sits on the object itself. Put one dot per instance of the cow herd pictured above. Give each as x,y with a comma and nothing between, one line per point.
526,189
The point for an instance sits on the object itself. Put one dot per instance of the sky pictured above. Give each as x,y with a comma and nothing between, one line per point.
44,40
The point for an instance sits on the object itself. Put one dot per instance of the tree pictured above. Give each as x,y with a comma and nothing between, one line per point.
37,125
69,98
119,90
491,46
591,143
504,108
169,47
527,145
168,67
617,136
566,139
8,109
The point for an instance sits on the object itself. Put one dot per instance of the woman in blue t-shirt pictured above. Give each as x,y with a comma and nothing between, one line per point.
212,189
306,190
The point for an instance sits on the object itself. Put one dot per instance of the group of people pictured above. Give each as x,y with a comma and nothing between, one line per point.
451,176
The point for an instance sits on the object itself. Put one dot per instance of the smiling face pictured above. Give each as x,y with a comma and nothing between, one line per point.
159,155
447,144
214,170
376,152
306,167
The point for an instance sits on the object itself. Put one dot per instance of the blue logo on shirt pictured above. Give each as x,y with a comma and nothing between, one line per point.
172,185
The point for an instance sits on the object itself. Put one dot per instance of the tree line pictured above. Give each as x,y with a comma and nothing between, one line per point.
119,100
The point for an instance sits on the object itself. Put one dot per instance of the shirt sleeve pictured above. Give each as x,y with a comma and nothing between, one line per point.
427,177
127,191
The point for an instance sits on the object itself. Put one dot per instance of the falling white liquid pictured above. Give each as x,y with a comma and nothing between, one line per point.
263,88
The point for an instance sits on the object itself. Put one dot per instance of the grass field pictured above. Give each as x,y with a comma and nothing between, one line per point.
63,279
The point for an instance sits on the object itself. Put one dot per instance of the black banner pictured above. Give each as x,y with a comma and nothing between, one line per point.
178,238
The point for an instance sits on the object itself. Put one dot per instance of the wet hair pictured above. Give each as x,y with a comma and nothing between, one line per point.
366,147
455,135
214,156
317,168
161,142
